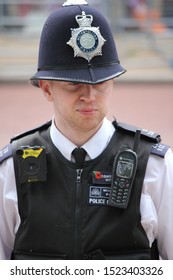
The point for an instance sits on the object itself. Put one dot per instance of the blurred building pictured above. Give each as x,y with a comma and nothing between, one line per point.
126,14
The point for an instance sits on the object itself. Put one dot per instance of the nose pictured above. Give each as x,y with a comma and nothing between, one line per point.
88,94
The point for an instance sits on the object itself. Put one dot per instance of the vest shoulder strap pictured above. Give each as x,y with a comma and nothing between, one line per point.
32,131
157,148
7,151
149,135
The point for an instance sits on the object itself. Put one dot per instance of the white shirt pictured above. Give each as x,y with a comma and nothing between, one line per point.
93,147
156,200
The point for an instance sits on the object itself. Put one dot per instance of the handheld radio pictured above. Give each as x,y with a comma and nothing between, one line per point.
124,170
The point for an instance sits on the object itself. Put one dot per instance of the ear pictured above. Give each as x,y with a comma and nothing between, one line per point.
46,89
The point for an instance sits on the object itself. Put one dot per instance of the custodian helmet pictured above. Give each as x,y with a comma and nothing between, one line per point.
77,45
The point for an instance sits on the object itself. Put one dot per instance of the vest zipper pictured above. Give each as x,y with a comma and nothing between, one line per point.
77,220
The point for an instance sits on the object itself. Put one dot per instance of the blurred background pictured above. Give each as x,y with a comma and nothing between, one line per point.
143,32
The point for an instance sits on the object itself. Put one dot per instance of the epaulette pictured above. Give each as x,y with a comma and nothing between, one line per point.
26,133
150,135
5,153
158,148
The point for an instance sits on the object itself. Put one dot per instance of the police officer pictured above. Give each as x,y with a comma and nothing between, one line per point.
79,186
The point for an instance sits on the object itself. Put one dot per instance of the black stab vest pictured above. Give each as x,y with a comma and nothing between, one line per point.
59,220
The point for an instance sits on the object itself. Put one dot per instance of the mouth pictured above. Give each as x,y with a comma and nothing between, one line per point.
87,111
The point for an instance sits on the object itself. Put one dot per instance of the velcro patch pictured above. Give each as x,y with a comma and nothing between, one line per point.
98,195
101,178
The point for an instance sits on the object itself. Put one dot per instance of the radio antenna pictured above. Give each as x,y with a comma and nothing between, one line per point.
137,140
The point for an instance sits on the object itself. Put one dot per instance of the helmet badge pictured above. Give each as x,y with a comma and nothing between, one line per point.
86,40
74,2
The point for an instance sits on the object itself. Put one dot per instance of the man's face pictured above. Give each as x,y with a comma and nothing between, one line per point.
78,107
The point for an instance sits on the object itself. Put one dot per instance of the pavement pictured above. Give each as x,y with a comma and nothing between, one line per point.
148,56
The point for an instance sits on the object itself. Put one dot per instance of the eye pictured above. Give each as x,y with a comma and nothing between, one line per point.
75,83
100,86
104,85
73,86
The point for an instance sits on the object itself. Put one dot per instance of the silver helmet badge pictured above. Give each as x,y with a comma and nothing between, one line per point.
86,40
74,2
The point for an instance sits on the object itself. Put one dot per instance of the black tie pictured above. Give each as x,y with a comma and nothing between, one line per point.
79,156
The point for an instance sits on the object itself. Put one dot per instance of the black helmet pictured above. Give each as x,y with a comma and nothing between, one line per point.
77,45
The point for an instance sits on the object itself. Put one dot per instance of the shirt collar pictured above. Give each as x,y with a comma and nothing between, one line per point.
93,147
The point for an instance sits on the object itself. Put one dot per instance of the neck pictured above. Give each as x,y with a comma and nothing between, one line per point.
78,136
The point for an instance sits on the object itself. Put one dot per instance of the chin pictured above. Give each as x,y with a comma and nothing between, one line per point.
90,124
